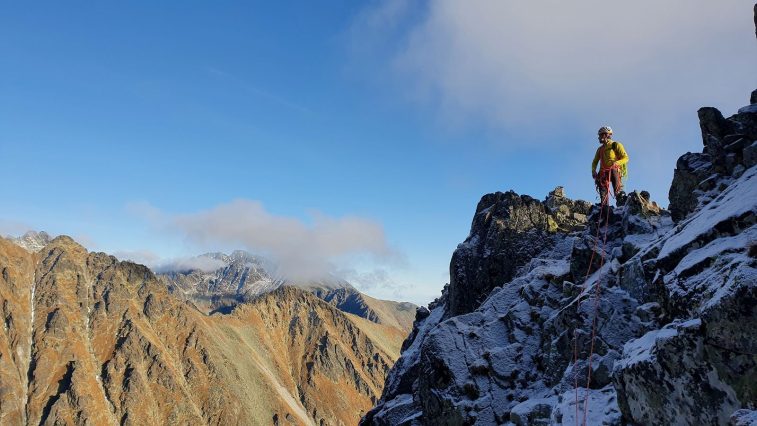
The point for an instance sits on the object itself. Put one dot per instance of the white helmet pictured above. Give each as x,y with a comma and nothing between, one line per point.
605,129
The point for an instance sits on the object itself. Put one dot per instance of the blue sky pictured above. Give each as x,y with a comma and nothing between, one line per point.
370,129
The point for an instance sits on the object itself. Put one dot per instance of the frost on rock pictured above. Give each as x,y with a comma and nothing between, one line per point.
733,209
546,321
744,418
595,406
665,378
398,405
533,412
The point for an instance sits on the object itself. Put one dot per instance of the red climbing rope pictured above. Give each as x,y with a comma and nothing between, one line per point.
578,309
604,176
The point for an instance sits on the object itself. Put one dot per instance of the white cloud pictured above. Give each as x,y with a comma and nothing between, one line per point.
377,280
301,250
182,264
177,264
512,62
547,72
13,228
143,257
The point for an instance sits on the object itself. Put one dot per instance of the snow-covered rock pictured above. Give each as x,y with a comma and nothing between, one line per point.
665,378
33,241
508,230
628,316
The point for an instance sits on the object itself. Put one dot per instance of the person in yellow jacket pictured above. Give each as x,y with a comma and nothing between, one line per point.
612,159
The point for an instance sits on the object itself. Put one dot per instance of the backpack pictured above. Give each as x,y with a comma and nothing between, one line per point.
623,168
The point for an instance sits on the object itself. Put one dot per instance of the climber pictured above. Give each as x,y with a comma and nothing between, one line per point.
612,167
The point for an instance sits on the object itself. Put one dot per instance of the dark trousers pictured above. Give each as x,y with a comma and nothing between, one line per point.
613,176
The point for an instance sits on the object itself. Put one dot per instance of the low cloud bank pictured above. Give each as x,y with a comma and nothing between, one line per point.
177,264
303,251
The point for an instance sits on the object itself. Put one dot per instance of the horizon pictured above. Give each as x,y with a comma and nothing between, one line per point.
348,138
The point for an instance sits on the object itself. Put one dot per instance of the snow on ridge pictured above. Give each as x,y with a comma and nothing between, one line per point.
673,307
738,199
714,248
411,355
602,407
748,109
642,349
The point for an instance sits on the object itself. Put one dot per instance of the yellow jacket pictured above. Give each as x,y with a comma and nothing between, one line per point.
611,152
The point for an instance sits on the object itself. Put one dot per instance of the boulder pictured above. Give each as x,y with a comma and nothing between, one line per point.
532,412
750,155
714,127
691,169
744,418
508,230
663,379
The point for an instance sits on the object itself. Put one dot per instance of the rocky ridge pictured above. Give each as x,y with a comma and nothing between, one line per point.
510,339
239,277
87,339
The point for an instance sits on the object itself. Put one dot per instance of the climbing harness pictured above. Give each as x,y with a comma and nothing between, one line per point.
603,179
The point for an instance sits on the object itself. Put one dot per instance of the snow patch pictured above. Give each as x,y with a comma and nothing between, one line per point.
716,248
738,199
748,109
642,349
600,409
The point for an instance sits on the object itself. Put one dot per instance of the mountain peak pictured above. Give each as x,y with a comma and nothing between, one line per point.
33,241
507,231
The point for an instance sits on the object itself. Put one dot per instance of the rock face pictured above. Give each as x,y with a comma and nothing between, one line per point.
395,314
670,305
507,231
729,150
239,277
87,339
33,241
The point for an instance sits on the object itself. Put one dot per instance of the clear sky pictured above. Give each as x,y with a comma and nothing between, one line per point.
347,136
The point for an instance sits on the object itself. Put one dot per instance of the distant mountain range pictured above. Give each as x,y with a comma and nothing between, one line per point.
241,277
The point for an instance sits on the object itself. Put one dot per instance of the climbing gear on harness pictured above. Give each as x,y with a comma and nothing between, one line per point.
603,180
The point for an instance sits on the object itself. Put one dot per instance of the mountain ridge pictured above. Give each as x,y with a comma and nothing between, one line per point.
244,277
532,329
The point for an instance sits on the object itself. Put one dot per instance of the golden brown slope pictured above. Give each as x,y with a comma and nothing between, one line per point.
336,368
88,339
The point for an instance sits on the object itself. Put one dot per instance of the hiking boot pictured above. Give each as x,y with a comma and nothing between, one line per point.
620,197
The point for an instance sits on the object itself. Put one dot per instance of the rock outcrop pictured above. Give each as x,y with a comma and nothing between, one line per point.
87,339
729,150
507,231
238,277
636,316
